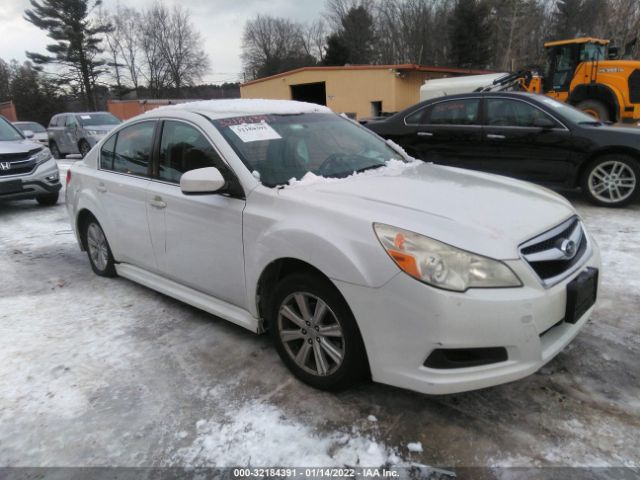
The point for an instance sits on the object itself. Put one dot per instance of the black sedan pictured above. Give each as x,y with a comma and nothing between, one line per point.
525,136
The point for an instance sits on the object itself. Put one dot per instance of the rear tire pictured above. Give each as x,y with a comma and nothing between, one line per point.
611,180
48,199
596,109
324,350
84,148
55,151
98,249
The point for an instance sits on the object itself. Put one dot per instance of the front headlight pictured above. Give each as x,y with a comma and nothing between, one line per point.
442,265
42,156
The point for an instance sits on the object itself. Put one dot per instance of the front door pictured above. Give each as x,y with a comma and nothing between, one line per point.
197,239
523,141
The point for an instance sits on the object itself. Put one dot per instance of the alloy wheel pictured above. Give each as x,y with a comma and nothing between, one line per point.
612,182
311,334
98,248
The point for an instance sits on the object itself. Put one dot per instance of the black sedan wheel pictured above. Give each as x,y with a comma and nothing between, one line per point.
612,180
315,333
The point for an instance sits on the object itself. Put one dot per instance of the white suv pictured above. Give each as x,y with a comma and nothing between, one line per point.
284,217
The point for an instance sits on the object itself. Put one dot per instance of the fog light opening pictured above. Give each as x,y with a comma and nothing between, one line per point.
446,358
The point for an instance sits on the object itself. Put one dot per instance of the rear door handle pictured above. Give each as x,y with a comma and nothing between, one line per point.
101,188
158,203
494,136
425,134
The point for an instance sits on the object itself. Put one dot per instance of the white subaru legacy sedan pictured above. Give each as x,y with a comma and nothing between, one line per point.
358,260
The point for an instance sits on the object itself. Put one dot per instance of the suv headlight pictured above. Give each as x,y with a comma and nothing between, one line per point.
42,156
441,265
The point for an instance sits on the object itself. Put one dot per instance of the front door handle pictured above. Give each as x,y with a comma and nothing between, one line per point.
101,188
494,136
425,134
158,203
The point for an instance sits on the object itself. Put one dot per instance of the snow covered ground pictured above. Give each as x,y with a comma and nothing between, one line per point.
103,372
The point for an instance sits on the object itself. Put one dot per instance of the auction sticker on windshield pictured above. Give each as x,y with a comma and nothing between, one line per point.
254,132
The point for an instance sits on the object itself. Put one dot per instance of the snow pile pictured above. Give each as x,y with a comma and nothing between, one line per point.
260,435
392,168
415,447
249,106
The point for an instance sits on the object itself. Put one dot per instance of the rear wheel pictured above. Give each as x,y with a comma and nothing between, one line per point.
596,109
611,180
98,250
84,148
55,151
315,333
47,199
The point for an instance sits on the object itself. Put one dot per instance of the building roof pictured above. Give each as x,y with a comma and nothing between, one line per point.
400,67
571,41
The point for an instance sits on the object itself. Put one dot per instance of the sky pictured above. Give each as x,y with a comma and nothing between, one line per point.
220,22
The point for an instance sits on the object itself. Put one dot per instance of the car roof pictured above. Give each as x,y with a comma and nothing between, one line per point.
240,107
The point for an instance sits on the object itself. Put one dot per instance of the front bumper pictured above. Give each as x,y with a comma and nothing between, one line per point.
404,321
45,179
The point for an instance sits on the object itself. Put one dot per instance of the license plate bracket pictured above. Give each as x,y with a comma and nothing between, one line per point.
581,294
12,186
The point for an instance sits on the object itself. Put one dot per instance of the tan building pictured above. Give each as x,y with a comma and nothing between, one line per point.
362,90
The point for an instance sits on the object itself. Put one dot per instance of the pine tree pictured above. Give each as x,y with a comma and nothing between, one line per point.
470,34
77,41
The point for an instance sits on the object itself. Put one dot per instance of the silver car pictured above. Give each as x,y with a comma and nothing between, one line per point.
33,131
73,133
27,170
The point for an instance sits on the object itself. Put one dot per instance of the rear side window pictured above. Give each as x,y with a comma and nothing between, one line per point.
455,112
184,148
129,150
417,117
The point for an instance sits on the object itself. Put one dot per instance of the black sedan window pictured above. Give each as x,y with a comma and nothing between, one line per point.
455,112
513,113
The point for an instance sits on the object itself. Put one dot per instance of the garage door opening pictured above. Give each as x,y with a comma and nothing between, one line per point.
310,92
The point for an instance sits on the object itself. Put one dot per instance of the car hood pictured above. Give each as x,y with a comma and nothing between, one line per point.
483,213
18,146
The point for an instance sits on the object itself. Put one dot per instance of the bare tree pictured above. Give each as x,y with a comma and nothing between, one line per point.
271,45
314,38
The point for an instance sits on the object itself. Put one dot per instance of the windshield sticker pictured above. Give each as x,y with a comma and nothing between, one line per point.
85,117
255,132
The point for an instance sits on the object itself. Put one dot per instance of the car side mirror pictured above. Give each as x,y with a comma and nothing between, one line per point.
202,180
28,133
544,123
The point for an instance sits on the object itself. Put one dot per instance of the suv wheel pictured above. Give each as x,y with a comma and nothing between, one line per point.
98,250
84,148
315,333
611,180
48,199
55,151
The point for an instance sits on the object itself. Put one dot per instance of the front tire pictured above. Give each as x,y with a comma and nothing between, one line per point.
98,250
55,151
611,180
596,109
48,199
315,333
84,148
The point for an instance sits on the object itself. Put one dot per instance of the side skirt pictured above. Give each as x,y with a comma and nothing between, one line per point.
187,295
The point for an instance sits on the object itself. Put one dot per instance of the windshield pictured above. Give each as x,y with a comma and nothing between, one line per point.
89,119
278,148
570,113
7,132
33,126
592,51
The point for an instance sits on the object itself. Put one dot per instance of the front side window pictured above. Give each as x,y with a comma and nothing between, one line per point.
8,132
184,148
71,121
513,113
279,148
455,112
129,151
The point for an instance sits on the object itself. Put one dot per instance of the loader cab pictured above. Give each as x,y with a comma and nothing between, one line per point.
564,56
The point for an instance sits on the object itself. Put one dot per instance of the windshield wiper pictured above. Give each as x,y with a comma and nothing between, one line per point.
370,167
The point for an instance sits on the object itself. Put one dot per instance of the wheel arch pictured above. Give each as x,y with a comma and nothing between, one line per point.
620,150
598,91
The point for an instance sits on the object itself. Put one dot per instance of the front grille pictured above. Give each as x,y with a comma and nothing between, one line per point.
16,157
554,253
21,167
634,87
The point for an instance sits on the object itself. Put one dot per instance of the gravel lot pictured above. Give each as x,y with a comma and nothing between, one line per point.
103,372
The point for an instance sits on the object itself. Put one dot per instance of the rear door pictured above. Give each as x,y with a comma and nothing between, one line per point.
197,239
525,142
449,132
121,185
